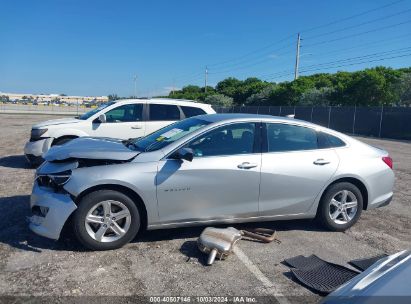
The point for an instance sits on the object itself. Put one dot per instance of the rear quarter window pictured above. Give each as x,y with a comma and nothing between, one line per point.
192,111
326,140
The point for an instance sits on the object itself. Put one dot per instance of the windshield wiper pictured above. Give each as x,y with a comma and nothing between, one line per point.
130,142
152,145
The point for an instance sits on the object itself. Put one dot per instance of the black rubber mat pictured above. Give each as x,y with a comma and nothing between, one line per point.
302,262
363,264
325,278
318,275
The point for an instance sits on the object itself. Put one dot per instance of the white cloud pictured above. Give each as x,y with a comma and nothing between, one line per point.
273,56
169,89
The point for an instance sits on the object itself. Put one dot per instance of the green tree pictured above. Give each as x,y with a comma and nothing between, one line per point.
371,87
219,100
374,87
262,97
316,97
404,86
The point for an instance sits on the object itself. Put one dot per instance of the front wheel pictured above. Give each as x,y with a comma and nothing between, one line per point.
340,206
106,220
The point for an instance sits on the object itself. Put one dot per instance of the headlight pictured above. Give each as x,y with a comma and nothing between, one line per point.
53,180
60,179
36,133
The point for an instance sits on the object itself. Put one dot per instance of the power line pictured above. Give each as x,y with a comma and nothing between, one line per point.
358,34
245,66
360,24
253,52
253,63
238,61
337,61
356,63
334,64
372,43
378,54
353,16
265,60
308,30
239,66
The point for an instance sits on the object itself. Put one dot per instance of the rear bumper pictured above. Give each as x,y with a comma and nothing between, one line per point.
55,210
381,201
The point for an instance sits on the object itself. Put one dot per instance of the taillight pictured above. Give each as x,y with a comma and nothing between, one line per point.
388,161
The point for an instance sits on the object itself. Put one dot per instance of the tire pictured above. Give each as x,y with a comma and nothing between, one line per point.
62,140
333,213
97,231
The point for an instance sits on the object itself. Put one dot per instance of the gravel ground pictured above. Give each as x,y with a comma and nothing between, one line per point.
167,262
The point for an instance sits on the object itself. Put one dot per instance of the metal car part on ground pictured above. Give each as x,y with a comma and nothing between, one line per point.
219,242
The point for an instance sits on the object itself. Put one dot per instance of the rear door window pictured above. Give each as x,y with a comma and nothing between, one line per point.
161,112
284,137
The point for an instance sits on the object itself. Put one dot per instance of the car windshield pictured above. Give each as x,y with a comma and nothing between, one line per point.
165,136
87,115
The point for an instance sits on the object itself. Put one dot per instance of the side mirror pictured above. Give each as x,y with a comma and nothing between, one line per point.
102,118
183,153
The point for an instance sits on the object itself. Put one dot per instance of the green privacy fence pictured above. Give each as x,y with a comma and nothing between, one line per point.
385,122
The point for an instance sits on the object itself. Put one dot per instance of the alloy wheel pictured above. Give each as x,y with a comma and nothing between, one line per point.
108,221
343,207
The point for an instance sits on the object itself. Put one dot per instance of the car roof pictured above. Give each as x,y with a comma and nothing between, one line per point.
244,116
179,102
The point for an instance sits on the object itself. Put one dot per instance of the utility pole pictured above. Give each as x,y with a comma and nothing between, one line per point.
205,79
297,57
135,86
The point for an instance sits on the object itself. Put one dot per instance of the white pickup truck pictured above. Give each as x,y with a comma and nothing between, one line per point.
128,118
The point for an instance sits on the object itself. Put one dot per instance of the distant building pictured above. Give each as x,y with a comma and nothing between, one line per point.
53,97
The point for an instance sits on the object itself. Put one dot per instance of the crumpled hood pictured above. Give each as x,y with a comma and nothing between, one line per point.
91,148
60,121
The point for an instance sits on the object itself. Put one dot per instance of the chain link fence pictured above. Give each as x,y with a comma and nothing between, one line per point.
385,122
43,109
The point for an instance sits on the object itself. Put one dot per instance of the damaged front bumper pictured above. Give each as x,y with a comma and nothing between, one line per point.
49,211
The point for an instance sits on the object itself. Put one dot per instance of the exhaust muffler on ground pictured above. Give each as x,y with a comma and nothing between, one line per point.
219,242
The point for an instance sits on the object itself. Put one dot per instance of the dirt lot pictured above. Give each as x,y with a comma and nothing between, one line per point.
167,262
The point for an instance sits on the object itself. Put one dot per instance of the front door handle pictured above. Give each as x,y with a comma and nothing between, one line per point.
136,127
247,165
321,162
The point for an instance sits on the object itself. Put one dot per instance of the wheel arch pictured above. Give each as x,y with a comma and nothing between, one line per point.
67,132
122,189
56,139
356,182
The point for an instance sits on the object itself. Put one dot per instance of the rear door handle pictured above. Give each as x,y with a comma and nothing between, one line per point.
321,162
247,165
136,127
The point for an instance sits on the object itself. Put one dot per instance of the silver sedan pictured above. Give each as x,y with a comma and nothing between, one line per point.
222,168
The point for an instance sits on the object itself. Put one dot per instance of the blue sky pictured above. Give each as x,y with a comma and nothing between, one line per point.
95,47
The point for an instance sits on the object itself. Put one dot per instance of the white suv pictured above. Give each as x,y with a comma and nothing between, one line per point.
129,118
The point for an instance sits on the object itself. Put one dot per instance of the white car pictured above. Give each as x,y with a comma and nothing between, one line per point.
124,119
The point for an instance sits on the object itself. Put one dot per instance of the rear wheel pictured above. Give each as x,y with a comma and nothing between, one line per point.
340,206
105,220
